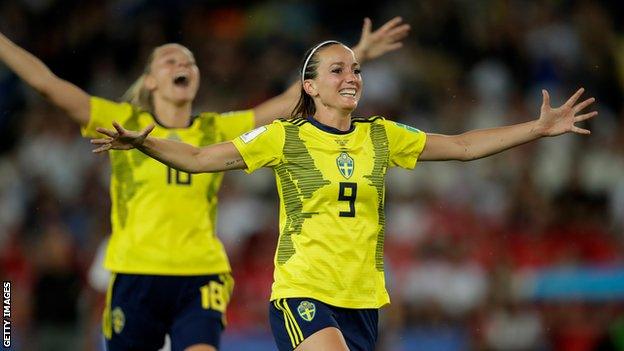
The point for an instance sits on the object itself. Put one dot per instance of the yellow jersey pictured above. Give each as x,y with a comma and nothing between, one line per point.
331,189
164,220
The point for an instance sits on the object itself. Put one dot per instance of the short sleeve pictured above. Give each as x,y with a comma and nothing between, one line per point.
103,113
262,147
406,144
233,124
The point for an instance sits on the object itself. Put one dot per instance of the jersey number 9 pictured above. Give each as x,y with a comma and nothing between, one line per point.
347,192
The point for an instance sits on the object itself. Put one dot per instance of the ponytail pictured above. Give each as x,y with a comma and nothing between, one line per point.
137,94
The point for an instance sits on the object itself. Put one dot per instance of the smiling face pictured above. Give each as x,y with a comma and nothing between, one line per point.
173,74
338,84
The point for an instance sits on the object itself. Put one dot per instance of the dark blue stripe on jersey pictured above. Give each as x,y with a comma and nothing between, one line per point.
327,128
188,124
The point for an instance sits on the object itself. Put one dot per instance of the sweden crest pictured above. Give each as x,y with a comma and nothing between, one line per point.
345,164
306,310
118,320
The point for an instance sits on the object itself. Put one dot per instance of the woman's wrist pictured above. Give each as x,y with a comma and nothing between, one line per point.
538,129
360,54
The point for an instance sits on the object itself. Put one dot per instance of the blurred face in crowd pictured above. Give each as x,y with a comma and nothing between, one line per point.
173,74
338,84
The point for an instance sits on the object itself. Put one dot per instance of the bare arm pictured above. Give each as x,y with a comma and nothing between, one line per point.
35,73
485,142
184,157
371,46
477,143
279,106
181,156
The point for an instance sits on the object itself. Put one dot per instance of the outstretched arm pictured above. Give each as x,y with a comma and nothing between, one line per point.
35,73
485,142
181,156
371,46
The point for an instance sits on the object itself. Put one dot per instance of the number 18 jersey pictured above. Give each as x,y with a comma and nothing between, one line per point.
331,189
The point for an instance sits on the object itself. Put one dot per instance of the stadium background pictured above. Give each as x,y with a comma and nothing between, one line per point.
520,251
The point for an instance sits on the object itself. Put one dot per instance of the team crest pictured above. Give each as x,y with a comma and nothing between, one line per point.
345,164
118,319
306,310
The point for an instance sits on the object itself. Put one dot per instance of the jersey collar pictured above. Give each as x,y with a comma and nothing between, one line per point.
327,128
188,125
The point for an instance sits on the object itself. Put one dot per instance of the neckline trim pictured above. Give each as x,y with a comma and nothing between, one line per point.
188,125
329,129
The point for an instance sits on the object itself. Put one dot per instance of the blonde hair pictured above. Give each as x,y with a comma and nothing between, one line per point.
137,94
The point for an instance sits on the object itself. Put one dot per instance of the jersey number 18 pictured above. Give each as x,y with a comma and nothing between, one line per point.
176,177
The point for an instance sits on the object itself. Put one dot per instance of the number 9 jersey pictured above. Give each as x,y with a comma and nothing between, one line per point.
331,188
163,220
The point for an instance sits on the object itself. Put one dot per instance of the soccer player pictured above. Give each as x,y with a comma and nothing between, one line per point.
170,271
330,170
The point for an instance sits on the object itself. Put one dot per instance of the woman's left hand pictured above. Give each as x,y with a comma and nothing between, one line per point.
385,39
563,119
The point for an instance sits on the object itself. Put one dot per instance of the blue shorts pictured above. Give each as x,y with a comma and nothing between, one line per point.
295,319
141,309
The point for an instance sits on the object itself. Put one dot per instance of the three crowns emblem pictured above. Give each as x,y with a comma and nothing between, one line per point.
345,164
306,310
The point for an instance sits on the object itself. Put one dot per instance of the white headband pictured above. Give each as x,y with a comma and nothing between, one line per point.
305,64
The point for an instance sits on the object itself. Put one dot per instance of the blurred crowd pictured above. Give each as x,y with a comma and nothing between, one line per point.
519,251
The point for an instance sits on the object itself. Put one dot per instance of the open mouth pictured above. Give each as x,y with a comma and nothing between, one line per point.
181,80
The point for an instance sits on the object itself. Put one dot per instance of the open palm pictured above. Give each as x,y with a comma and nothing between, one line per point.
386,38
563,119
120,138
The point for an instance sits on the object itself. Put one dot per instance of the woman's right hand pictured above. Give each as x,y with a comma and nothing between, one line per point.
36,74
120,138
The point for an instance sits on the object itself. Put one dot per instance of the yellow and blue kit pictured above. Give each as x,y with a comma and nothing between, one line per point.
163,249
164,220
332,222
